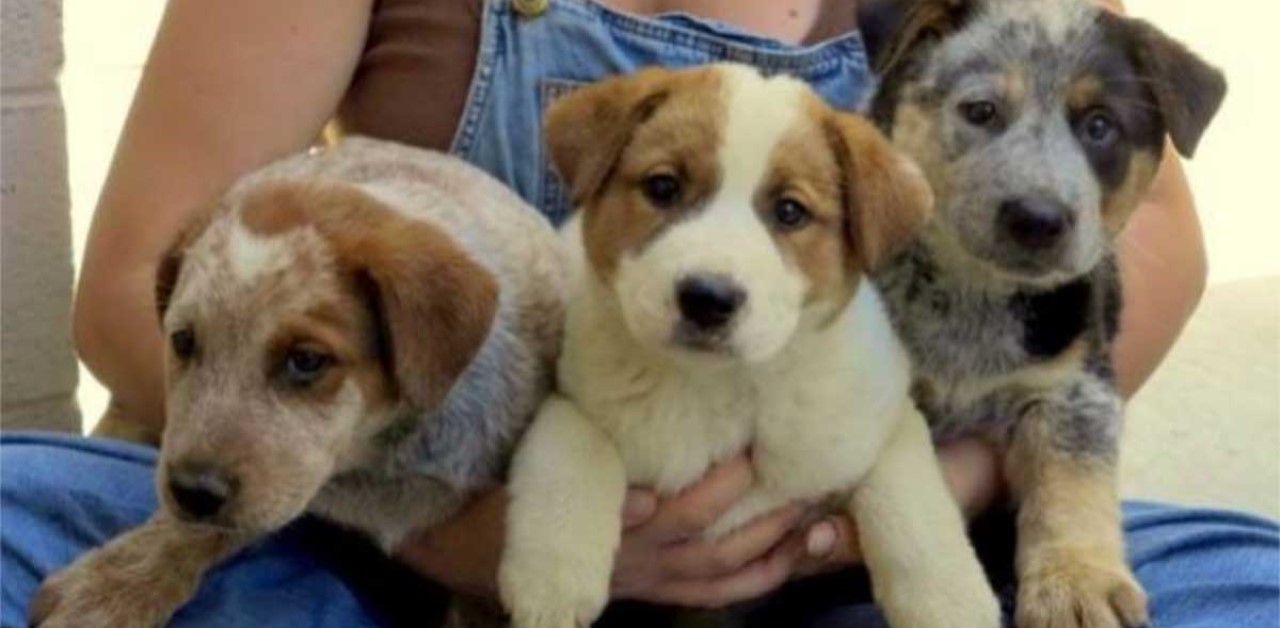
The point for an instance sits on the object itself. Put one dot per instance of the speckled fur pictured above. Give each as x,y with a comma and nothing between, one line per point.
378,455
1012,342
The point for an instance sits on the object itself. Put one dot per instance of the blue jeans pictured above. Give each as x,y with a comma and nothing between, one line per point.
64,495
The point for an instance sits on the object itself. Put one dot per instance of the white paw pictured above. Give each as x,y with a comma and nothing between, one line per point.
545,589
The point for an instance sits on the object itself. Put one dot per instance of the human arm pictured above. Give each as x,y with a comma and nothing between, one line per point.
228,86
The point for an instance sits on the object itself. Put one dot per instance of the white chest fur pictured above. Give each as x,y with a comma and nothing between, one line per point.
813,416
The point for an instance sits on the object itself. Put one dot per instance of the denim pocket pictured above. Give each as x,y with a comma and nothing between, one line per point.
554,197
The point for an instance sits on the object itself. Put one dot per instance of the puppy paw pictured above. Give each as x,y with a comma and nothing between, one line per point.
547,594
1077,591
94,593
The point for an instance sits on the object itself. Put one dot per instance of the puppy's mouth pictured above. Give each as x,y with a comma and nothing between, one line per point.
694,339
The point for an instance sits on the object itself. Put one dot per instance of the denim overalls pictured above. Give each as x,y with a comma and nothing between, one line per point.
532,51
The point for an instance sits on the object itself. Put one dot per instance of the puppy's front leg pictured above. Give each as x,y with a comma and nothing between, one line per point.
923,569
138,580
1070,559
564,521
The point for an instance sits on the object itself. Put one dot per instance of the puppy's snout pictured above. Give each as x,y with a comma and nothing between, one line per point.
1035,223
200,491
709,302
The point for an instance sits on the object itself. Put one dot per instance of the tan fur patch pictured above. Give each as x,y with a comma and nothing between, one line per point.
1070,556
804,168
138,579
343,328
436,303
1120,203
273,208
606,139
1083,92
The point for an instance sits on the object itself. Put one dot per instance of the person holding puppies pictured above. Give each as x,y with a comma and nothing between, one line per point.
235,84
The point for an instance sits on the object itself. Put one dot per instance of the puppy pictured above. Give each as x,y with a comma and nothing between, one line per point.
1040,125
360,333
716,304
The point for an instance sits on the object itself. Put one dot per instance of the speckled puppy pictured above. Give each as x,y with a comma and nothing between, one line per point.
360,333
1039,124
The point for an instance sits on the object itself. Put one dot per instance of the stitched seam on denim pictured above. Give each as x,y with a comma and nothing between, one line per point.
482,79
554,201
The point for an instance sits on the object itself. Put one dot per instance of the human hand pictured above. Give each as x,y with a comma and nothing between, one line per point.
664,559
661,558
971,468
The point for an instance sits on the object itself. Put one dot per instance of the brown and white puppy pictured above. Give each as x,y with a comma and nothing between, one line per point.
360,333
1040,125
725,224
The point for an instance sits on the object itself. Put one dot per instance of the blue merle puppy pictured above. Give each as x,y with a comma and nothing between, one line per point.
1040,125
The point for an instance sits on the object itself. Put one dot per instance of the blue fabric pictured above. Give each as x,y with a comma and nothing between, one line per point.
64,495
525,63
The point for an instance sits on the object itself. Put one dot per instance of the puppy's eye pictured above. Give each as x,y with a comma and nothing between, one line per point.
1099,128
303,366
663,190
183,343
790,215
978,112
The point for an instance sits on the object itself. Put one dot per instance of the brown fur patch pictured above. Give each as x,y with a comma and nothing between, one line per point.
273,208
1070,556
888,198
434,303
803,167
607,138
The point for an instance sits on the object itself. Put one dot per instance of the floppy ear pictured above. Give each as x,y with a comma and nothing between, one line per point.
433,302
587,130
894,29
171,261
1187,90
167,279
886,198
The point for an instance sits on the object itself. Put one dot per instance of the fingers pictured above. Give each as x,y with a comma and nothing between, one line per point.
686,515
707,559
639,507
973,472
831,543
753,580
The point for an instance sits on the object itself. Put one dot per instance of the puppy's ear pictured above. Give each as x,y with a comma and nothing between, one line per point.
434,304
893,30
171,261
167,279
1187,90
587,130
886,198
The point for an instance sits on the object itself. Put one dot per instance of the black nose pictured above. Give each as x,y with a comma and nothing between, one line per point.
709,301
1035,223
199,490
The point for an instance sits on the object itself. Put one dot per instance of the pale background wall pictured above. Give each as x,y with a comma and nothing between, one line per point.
38,371
1207,428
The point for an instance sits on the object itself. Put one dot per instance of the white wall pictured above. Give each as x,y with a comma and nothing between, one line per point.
1236,164
39,369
